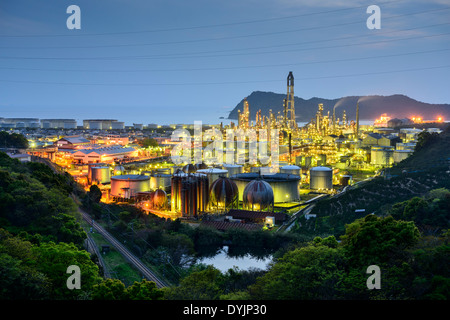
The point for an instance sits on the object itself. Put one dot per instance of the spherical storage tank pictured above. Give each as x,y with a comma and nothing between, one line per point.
321,178
127,186
100,175
159,199
258,195
223,194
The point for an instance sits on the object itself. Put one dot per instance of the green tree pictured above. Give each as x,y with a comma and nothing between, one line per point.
95,194
109,289
144,290
53,259
374,240
307,273
199,285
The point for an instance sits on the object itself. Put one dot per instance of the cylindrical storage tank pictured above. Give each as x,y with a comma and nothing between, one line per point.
97,125
160,181
381,156
290,169
100,175
127,186
90,166
213,173
400,155
321,178
258,196
189,193
233,169
345,179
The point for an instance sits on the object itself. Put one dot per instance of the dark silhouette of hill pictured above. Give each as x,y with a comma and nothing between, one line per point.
370,107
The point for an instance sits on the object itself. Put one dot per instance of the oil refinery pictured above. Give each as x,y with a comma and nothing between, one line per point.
322,157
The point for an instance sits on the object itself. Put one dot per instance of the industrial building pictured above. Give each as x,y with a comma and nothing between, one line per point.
105,154
72,142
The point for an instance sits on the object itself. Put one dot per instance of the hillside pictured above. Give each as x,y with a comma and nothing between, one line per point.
371,107
425,170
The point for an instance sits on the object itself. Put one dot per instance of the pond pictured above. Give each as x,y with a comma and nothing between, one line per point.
223,261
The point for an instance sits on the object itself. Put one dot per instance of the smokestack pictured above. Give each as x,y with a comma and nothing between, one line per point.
357,120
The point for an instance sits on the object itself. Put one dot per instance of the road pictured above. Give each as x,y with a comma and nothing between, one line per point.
146,272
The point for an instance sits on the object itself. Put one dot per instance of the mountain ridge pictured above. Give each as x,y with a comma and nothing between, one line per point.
370,106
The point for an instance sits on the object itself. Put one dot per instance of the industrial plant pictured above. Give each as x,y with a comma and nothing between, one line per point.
320,158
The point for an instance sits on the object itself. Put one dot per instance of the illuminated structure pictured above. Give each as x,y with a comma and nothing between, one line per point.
290,122
244,117
284,186
223,195
382,121
128,186
321,178
189,194
258,196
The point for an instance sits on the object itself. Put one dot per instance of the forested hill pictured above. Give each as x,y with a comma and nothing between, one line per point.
371,107
427,169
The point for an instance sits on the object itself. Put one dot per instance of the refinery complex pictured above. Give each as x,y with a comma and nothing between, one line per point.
322,158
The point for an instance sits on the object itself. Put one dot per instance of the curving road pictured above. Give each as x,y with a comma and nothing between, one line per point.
146,272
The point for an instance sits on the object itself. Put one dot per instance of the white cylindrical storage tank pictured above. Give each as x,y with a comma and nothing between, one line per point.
321,178
97,125
400,155
291,169
213,173
381,156
160,181
233,169
127,186
117,125
100,175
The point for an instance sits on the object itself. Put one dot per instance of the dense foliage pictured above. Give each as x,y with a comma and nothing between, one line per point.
13,140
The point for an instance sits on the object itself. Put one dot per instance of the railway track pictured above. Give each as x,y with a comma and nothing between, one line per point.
146,272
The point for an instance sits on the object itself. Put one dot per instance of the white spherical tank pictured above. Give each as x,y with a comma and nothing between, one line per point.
321,178
127,186
100,175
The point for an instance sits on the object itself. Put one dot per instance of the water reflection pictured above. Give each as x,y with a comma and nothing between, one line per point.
226,258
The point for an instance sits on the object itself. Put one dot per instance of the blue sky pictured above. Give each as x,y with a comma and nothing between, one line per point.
178,61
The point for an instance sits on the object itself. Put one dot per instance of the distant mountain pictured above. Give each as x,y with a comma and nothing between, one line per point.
370,107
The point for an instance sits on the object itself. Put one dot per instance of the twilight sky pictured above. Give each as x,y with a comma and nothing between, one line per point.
174,61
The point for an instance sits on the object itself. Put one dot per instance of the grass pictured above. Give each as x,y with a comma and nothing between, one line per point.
117,265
